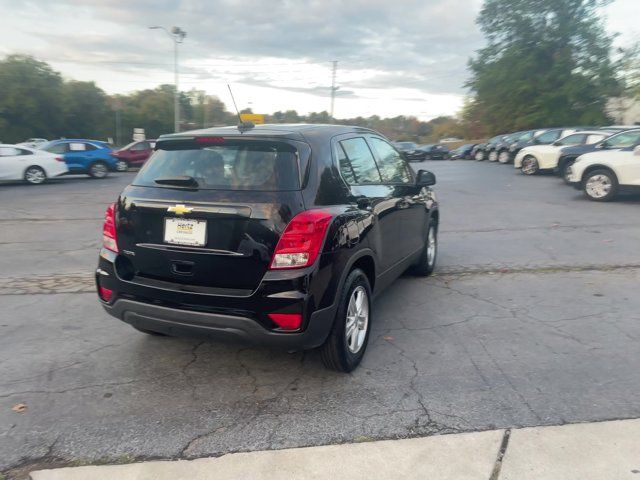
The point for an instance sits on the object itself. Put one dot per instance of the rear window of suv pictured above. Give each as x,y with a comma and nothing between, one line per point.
235,165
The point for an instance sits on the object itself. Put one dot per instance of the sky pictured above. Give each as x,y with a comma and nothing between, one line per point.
402,57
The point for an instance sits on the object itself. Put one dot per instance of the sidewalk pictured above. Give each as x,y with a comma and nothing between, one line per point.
602,451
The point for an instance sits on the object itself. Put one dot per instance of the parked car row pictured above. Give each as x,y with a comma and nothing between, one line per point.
602,162
37,159
418,153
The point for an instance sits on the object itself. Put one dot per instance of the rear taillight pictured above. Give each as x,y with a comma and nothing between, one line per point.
109,238
60,159
302,240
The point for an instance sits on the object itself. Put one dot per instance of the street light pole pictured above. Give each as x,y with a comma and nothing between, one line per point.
177,35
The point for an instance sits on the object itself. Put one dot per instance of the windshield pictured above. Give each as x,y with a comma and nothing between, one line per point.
264,166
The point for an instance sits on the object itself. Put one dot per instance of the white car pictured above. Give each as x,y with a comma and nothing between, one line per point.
601,175
545,157
33,166
33,142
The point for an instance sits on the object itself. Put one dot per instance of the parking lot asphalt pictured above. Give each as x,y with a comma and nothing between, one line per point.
533,319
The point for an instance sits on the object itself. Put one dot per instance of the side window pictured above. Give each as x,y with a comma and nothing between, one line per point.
22,151
58,148
572,140
346,169
363,166
138,147
623,140
89,146
77,147
548,137
594,138
392,167
9,152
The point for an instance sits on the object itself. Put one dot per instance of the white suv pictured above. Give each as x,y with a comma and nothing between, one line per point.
545,157
603,174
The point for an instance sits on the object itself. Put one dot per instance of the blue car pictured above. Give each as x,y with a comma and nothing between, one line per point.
92,157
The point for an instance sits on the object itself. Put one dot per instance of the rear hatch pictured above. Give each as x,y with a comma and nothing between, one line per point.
206,214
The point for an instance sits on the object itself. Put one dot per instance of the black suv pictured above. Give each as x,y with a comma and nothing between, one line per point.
278,234
434,152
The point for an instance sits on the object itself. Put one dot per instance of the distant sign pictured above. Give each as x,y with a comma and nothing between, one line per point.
255,118
138,134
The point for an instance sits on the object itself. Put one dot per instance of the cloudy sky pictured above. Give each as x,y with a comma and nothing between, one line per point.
394,56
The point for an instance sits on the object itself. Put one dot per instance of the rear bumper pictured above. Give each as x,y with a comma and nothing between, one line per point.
184,323
225,315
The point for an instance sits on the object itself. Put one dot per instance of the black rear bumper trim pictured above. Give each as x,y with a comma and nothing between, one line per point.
177,322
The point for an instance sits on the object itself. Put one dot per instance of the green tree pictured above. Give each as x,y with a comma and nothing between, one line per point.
85,111
30,99
547,63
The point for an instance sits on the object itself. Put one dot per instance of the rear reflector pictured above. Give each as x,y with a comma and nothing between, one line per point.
209,140
287,321
302,240
105,294
109,238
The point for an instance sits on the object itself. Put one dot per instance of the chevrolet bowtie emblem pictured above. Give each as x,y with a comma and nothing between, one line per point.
179,209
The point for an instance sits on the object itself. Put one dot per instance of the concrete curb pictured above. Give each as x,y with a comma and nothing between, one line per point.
602,451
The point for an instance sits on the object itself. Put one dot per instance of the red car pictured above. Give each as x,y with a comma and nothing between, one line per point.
134,154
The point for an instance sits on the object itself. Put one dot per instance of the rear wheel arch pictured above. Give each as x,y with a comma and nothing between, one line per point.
367,264
592,168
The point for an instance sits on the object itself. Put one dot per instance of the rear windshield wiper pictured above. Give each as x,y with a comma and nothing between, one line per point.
178,181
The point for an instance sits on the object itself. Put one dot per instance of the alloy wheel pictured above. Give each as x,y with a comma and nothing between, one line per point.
357,322
35,175
598,186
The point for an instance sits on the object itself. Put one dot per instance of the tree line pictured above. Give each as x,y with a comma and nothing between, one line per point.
36,101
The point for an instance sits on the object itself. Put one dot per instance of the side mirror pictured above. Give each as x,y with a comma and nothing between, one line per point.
601,145
425,178
636,150
557,143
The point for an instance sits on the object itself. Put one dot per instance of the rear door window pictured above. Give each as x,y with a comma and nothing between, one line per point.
576,139
392,167
236,165
58,148
358,163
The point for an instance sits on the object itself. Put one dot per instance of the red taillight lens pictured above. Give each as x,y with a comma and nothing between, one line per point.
105,294
109,238
301,241
60,159
209,140
287,321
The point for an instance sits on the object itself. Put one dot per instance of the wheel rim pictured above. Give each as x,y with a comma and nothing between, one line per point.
529,165
99,170
493,156
598,186
357,322
35,175
122,166
479,156
503,157
431,247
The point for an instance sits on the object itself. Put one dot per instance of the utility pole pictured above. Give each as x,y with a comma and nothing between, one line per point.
333,87
177,35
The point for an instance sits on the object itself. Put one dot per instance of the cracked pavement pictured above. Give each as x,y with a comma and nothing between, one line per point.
533,319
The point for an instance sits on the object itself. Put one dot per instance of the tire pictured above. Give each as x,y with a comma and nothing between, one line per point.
427,263
342,352
564,171
150,332
122,166
504,157
35,175
493,156
479,156
98,170
600,185
530,165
